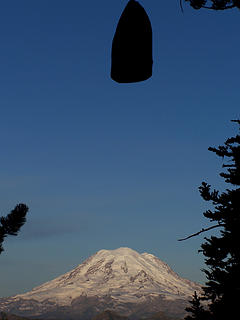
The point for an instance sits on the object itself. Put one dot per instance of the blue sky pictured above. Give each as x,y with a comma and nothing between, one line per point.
103,165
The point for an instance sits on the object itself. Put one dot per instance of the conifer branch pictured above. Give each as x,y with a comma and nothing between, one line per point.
216,4
201,231
12,223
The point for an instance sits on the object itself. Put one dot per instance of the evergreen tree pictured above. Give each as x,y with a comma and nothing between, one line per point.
196,309
12,223
214,4
222,252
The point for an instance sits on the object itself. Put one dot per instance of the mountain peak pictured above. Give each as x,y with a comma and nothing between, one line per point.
122,251
111,278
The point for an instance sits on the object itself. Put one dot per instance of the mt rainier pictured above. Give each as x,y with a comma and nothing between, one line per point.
132,284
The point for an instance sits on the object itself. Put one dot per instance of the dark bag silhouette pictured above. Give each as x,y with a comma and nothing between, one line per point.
132,46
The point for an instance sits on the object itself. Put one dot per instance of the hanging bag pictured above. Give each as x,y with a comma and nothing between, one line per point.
132,46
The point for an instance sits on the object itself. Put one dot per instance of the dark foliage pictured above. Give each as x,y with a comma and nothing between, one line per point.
12,223
222,252
214,4
196,309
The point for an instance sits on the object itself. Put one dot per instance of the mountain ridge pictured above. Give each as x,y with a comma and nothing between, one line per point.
105,315
123,280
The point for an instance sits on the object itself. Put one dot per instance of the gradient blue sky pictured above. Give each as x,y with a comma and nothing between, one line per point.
103,165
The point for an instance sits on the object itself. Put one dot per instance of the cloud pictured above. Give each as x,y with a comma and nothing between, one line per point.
46,228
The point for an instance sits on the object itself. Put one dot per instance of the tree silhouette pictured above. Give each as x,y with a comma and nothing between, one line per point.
12,223
214,4
196,309
222,252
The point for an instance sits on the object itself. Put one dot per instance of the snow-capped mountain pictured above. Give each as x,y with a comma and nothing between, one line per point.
122,280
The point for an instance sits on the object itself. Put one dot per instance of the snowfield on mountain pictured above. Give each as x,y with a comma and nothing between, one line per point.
123,280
